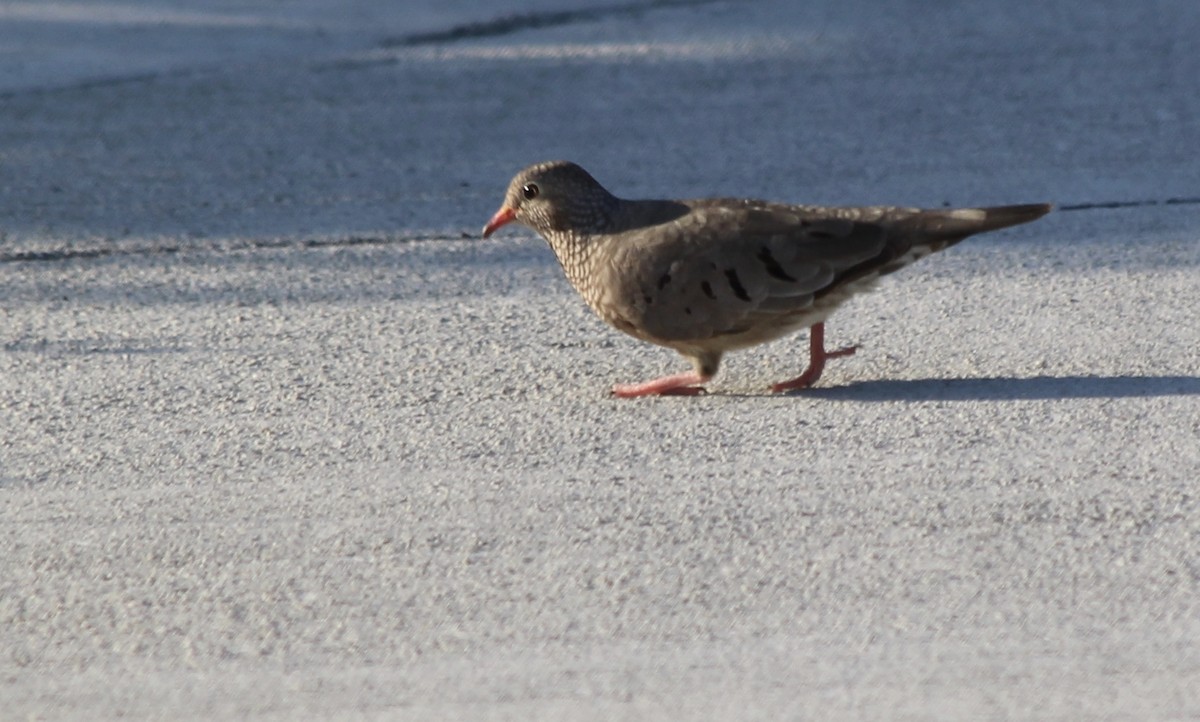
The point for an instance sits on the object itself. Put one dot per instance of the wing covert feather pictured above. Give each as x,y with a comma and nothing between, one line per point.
722,270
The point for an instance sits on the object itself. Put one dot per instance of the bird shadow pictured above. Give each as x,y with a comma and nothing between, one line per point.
1009,388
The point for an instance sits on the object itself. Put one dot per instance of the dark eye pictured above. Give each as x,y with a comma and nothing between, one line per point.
529,190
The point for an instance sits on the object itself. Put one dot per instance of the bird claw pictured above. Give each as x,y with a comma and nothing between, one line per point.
687,384
801,382
623,393
817,356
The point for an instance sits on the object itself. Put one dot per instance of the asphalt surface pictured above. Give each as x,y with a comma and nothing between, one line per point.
282,438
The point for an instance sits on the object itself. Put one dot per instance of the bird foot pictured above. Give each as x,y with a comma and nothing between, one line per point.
816,363
814,370
688,384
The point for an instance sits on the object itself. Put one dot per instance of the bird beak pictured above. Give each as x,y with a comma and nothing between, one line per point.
503,216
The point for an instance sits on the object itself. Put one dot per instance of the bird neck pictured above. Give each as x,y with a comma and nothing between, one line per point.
576,253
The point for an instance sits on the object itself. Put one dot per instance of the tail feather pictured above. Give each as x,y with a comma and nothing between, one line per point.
930,231
954,225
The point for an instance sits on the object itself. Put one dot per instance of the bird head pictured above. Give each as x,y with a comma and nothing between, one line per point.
554,197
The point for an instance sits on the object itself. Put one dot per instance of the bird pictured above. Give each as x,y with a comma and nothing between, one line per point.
709,276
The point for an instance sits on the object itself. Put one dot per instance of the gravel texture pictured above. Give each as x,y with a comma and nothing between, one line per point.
283,439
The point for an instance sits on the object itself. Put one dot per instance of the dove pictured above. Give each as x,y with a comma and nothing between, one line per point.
709,276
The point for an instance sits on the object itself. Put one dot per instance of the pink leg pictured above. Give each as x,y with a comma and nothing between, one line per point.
817,356
688,384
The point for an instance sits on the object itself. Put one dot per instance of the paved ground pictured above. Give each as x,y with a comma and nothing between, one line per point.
282,439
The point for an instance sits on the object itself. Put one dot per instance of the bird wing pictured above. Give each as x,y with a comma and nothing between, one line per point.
729,266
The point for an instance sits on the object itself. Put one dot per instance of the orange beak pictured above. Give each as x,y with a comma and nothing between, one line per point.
503,216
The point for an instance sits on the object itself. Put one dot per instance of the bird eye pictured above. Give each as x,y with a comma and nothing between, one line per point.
529,190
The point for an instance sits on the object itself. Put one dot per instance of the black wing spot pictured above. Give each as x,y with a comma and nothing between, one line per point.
774,270
707,288
663,280
736,284
687,310
648,299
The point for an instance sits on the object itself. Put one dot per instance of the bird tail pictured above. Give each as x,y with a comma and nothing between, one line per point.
923,232
951,226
